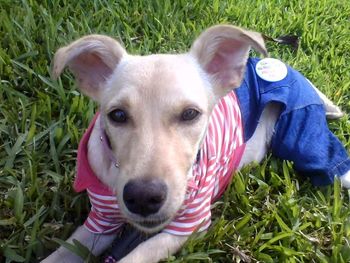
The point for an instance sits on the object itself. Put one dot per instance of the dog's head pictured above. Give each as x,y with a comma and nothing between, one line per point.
155,110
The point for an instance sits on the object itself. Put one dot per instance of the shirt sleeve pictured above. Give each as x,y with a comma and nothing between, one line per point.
105,216
303,136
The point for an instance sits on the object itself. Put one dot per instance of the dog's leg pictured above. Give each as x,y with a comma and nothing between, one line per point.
332,111
345,180
259,144
96,243
154,249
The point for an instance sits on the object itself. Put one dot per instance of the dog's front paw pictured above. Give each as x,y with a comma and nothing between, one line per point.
345,180
135,259
125,260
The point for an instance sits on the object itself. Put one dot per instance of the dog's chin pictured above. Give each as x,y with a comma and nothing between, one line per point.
150,226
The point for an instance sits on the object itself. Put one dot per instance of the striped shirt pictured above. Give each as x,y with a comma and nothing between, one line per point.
219,157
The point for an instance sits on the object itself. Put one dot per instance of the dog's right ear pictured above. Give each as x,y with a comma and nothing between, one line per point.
222,51
92,59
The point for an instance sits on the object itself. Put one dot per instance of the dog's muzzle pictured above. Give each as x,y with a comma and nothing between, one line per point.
144,196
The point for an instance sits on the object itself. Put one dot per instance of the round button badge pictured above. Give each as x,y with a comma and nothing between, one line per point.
271,69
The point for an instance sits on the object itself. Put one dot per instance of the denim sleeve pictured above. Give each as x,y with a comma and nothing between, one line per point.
303,137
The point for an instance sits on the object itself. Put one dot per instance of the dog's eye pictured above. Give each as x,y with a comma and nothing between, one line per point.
189,114
118,116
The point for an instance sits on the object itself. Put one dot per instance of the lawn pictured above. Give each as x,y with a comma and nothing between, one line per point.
269,214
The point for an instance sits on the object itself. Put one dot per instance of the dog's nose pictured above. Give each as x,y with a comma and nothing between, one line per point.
144,196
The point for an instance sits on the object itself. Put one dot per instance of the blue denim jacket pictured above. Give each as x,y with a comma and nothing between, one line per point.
301,131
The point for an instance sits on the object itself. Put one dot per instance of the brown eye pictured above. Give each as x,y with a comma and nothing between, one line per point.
189,114
118,116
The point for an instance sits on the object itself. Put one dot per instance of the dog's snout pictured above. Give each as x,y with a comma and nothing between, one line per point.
144,196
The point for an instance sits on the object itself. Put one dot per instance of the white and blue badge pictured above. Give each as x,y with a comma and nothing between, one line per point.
271,69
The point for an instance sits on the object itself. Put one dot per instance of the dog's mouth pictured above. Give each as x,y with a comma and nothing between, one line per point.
150,225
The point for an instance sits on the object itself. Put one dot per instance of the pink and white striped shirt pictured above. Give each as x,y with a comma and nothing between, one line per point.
220,155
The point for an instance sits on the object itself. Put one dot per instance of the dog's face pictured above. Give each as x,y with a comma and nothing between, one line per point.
156,110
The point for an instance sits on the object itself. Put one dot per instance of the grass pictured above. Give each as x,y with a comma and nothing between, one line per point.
269,213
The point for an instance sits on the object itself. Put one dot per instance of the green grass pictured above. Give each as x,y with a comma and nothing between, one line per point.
269,213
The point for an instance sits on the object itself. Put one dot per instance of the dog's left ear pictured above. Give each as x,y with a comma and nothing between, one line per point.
222,51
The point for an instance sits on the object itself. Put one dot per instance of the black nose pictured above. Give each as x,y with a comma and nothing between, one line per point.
144,196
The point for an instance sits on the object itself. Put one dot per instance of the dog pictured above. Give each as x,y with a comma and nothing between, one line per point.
167,119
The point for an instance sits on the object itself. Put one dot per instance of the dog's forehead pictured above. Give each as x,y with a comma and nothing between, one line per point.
158,76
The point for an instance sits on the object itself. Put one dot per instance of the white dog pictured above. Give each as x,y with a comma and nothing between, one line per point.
172,129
